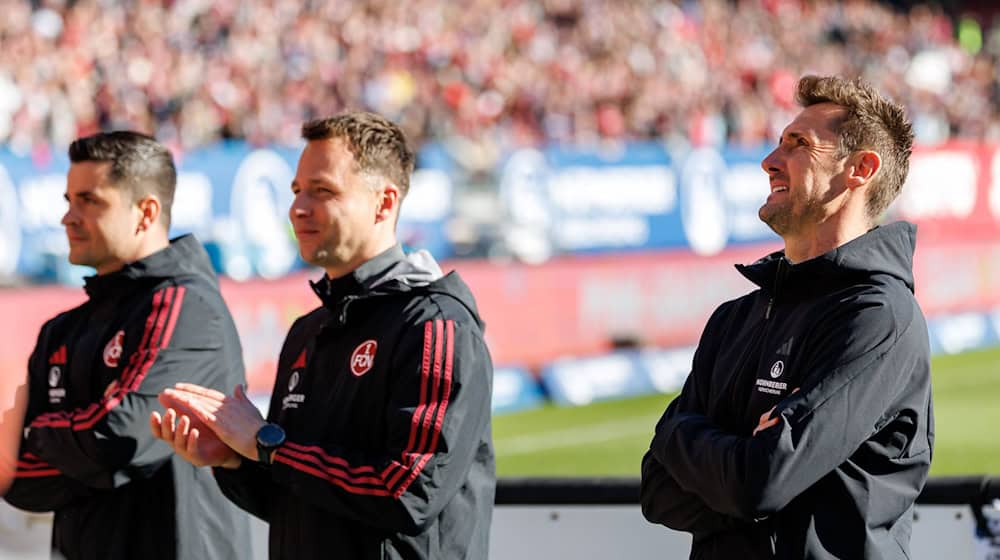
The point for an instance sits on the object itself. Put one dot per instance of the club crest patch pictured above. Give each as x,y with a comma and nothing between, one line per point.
113,350
363,357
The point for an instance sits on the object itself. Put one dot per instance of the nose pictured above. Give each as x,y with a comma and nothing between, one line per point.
772,163
299,207
68,218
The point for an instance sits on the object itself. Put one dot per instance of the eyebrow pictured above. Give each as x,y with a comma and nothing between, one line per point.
315,181
79,194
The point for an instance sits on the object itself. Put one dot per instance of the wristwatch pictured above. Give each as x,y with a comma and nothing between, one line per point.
269,438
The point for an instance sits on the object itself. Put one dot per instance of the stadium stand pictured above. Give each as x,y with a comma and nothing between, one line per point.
709,71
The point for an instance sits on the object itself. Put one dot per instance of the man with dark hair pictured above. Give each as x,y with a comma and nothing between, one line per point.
377,441
805,428
153,317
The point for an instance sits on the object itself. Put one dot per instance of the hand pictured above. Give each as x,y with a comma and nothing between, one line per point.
765,419
192,440
235,420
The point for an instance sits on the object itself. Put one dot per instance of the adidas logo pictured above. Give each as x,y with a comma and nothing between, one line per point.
786,348
300,362
58,357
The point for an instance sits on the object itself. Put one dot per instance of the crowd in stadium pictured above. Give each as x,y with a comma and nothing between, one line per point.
196,71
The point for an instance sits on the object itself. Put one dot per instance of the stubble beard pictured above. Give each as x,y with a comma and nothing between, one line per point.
784,218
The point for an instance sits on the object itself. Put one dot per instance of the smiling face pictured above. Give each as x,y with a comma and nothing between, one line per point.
102,220
337,215
806,173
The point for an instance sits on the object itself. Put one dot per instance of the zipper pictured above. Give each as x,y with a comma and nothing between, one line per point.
342,318
779,277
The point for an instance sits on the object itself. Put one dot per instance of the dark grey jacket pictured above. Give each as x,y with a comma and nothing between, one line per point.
838,475
94,376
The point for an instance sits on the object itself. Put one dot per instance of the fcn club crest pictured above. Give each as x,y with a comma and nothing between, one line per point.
113,350
363,357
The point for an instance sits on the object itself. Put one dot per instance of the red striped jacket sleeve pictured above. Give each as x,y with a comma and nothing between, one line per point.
438,412
91,443
38,486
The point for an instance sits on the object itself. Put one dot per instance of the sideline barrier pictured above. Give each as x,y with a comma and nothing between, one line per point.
599,518
955,518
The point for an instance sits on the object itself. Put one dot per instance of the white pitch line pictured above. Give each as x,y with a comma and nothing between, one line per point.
572,437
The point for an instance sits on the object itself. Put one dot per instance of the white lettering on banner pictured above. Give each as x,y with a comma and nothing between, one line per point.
506,388
429,198
192,208
642,190
10,225
260,200
961,332
42,203
582,233
995,319
746,189
703,210
995,187
957,276
586,380
661,300
940,184
522,188
613,305
668,368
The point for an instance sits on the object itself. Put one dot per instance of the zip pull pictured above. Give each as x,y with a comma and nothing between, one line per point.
343,310
770,305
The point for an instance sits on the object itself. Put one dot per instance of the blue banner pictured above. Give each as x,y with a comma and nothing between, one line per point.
639,197
234,197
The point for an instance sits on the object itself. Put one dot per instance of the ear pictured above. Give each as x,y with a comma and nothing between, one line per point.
865,164
387,205
149,212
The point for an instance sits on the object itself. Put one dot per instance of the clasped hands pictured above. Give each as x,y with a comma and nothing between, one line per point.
207,428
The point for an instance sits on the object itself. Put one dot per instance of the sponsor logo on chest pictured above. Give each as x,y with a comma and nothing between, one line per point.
57,362
293,399
774,386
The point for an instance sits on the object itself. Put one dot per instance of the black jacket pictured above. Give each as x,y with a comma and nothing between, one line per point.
384,394
94,376
838,475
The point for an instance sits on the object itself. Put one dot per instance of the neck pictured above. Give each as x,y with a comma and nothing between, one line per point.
799,248
377,247
150,243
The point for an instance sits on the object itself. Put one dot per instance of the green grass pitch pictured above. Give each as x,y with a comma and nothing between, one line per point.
609,438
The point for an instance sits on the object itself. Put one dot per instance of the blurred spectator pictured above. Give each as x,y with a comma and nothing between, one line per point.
494,74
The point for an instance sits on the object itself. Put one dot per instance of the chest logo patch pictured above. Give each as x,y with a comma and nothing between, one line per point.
56,393
363,357
113,350
293,381
777,369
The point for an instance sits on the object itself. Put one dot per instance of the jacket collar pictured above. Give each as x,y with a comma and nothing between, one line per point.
884,250
332,290
184,256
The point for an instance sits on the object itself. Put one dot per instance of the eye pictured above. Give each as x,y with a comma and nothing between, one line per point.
802,142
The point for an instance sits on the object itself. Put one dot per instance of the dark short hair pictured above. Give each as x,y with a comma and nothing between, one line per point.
873,122
140,165
378,145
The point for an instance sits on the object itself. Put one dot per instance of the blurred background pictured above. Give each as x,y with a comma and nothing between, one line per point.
591,167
